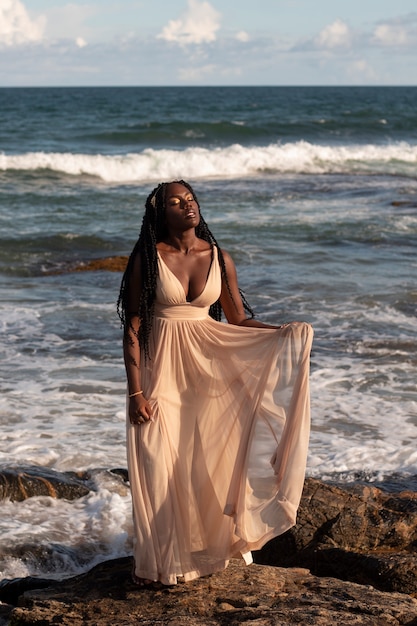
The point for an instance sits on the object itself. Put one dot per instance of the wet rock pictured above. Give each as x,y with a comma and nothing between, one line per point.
108,264
18,483
11,590
255,595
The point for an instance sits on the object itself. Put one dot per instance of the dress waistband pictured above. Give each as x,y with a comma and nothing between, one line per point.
184,311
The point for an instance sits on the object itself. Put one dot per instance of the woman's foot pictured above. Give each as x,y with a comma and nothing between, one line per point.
140,582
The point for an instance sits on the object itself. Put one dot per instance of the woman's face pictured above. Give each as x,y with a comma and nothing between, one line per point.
181,209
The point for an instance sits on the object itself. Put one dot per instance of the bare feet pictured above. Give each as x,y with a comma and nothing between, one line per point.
140,582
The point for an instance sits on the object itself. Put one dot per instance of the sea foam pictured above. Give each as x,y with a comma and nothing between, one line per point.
232,161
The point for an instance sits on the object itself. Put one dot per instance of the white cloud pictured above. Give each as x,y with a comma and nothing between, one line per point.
70,21
199,24
242,36
391,35
81,43
196,74
335,35
16,26
361,71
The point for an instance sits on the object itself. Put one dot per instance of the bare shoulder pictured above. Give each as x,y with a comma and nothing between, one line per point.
229,263
161,246
203,245
226,256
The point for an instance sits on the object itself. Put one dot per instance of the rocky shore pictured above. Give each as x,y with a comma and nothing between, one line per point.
256,595
351,559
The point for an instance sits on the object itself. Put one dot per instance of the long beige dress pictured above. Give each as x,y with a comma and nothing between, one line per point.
220,470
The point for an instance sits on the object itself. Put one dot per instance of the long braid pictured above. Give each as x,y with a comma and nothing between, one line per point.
153,231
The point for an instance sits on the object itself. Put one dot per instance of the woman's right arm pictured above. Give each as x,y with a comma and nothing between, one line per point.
139,408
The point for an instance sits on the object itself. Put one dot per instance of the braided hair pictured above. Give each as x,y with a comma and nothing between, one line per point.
153,231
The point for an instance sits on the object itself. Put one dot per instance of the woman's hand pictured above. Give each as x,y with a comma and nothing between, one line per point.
140,411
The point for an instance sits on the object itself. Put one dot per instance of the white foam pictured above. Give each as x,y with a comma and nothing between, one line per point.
231,161
76,534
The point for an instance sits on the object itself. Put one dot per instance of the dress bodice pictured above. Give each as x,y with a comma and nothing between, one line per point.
170,292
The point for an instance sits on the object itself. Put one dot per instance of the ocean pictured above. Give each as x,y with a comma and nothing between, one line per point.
312,190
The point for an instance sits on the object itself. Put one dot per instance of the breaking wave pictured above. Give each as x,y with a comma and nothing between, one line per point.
233,161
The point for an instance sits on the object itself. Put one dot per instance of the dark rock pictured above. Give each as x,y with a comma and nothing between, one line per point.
253,595
48,557
404,203
357,533
19,483
11,590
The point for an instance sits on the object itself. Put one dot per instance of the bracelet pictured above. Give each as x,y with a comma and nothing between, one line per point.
137,393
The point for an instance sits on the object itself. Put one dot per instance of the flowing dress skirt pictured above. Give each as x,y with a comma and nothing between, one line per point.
221,468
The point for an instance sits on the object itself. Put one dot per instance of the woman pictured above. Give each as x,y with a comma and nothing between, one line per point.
218,414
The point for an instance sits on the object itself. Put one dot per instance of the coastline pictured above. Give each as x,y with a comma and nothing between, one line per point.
254,594
358,518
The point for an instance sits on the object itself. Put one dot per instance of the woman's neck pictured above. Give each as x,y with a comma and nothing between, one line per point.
183,242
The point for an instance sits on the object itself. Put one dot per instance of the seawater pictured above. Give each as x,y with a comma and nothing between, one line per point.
313,191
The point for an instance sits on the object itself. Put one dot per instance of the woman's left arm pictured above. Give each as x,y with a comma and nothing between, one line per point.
231,301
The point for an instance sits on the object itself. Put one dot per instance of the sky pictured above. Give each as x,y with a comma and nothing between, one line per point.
208,42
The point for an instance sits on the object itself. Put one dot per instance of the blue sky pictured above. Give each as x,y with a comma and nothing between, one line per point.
208,42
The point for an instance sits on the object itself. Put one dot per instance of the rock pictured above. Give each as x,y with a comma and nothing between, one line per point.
19,483
108,264
404,203
11,590
254,595
358,533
